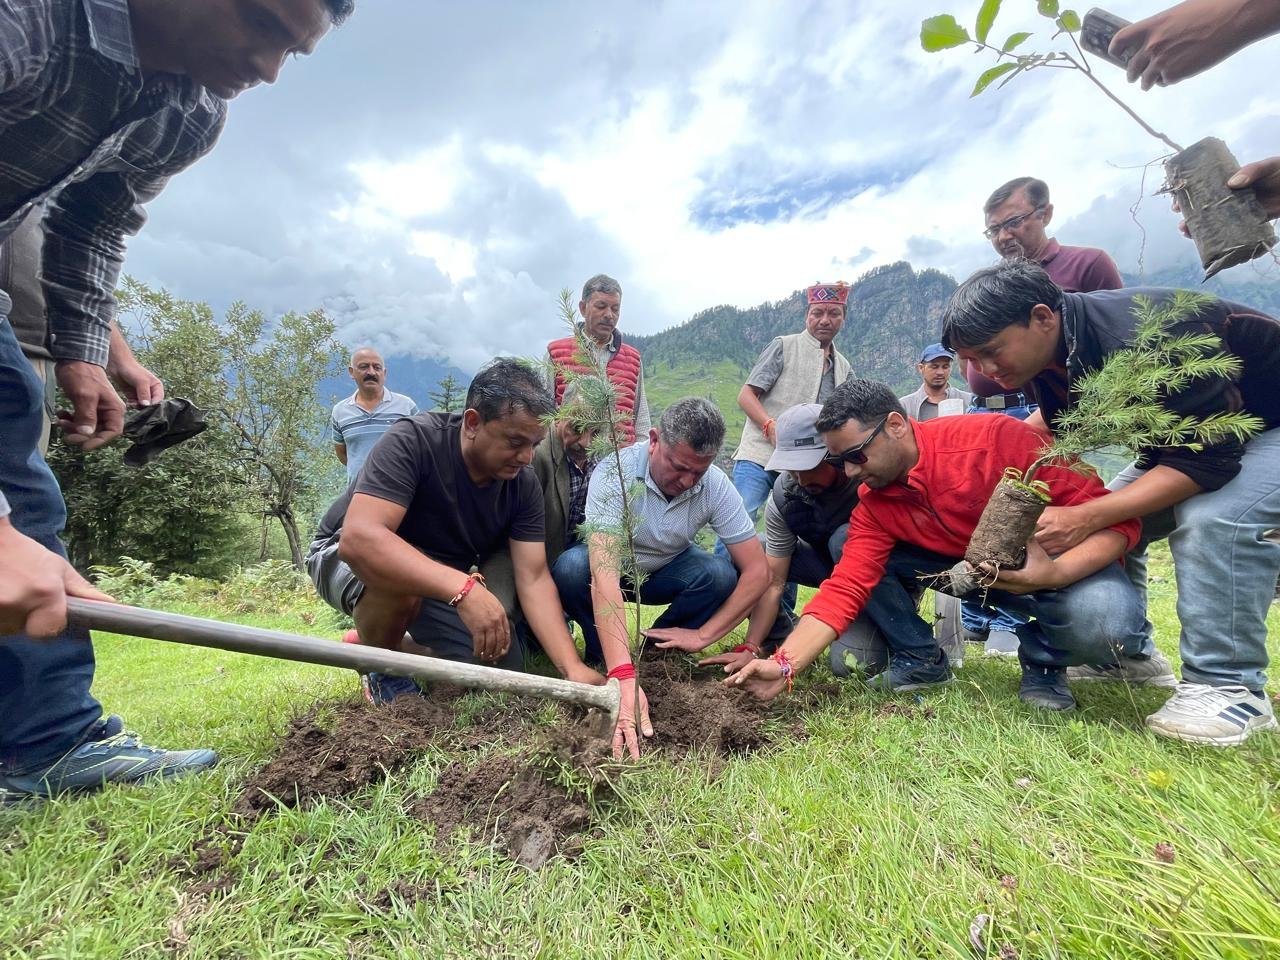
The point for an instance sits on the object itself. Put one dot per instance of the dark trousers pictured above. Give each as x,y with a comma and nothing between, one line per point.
1094,620
45,704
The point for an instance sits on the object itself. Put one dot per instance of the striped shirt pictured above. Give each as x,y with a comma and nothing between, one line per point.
358,429
664,528
83,129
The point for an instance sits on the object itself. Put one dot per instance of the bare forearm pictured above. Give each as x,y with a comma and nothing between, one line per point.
1088,557
807,641
1156,489
750,403
764,613
611,618
751,584
541,606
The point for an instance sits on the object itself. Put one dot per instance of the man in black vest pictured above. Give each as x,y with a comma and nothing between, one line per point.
806,522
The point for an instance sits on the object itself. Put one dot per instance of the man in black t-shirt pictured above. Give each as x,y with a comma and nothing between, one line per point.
441,498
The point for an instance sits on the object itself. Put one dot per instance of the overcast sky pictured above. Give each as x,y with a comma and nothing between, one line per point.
436,172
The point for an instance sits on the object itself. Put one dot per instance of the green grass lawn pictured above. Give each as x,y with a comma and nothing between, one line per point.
883,833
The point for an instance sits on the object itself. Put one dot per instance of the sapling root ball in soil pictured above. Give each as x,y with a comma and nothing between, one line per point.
1228,226
1007,523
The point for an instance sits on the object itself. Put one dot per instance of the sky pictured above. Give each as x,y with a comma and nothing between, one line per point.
436,172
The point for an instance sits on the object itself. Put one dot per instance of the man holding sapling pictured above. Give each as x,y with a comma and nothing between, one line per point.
645,506
1215,501
445,514
924,487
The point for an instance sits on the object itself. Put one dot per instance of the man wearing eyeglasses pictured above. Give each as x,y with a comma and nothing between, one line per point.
1017,214
924,486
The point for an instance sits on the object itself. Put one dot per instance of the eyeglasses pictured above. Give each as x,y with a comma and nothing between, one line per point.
858,454
1013,223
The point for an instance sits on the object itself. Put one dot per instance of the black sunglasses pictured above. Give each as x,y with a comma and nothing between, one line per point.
855,455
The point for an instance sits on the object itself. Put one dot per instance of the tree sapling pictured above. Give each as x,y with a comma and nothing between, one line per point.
1228,226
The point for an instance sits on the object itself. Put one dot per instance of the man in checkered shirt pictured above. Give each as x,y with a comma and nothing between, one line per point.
101,101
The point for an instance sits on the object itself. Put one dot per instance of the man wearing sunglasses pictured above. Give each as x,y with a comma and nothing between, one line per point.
924,486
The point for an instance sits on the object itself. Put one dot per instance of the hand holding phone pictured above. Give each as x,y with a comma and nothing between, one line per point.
1096,32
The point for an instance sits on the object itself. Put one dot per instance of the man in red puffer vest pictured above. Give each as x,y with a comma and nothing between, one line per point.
600,307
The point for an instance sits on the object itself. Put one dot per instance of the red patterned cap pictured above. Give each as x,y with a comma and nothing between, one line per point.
837,292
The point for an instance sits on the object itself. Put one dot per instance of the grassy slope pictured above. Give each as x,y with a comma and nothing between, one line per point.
883,834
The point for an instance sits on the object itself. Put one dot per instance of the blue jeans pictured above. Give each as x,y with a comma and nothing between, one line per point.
1225,567
984,617
695,583
754,484
1094,620
45,704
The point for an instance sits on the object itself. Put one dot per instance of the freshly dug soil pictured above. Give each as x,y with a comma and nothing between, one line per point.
1007,523
1228,226
692,710
332,753
506,798
512,795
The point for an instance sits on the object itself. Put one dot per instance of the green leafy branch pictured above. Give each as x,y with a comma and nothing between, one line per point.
943,32
1120,404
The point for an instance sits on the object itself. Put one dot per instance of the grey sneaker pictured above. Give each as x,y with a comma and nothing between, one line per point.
1001,643
1218,716
1152,671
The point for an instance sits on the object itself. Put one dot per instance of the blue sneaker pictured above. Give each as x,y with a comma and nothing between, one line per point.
115,755
383,688
906,672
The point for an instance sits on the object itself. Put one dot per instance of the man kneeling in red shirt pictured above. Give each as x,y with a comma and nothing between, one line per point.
924,488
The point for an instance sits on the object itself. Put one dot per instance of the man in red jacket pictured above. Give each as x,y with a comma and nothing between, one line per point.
924,487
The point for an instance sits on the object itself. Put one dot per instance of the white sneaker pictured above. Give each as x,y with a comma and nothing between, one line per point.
1220,716
1001,643
1152,671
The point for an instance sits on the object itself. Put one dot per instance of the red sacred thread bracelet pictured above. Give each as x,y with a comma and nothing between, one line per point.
745,648
784,662
623,671
472,580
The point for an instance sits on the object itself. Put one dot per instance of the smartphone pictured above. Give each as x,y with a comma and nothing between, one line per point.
1096,31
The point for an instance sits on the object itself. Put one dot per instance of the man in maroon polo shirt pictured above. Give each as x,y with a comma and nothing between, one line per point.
1016,216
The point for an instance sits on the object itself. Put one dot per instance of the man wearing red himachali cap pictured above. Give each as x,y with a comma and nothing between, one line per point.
799,368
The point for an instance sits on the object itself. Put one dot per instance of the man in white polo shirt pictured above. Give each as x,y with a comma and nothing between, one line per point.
367,414
673,490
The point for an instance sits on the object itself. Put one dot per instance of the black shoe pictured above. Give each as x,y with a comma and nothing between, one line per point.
912,673
1046,688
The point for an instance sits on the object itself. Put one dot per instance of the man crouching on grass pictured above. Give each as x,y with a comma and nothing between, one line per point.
924,488
441,498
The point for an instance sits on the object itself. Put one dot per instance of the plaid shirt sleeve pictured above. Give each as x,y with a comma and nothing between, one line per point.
85,232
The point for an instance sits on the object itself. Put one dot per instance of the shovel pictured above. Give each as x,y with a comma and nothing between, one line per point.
176,628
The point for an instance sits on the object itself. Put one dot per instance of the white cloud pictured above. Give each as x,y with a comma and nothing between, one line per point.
443,209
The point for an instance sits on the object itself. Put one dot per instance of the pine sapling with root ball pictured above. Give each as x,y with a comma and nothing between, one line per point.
1229,227
1118,404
